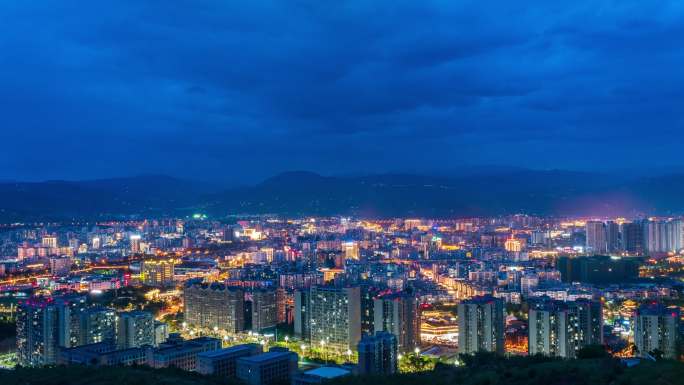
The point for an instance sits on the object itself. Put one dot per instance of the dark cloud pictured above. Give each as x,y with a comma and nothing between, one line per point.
216,89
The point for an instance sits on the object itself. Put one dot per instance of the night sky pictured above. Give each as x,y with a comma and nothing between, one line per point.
241,90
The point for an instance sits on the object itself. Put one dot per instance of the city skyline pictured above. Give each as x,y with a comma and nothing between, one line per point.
315,193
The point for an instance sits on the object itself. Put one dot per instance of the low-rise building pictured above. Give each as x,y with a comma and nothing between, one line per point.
320,375
276,366
182,355
101,354
223,362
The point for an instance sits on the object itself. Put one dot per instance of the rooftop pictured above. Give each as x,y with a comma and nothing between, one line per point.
328,372
267,356
232,349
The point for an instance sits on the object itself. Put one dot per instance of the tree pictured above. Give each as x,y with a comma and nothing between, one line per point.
592,351
657,354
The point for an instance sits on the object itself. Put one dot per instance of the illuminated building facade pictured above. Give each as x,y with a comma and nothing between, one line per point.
378,354
351,250
398,314
302,314
335,316
481,325
664,236
596,237
657,329
98,324
513,245
135,329
135,243
561,329
264,312
37,333
157,272
214,306
49,241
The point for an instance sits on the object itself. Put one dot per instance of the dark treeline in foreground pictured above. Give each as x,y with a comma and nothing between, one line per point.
487,369
91,375
481,369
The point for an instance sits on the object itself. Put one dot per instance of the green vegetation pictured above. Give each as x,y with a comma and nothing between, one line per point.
518,310
127,298
481,369
8,361
80,375
414,363
7,330
487,369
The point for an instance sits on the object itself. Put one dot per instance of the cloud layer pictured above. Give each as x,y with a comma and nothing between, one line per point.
241,90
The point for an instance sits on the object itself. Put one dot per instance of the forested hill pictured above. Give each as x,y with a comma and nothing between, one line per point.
495,193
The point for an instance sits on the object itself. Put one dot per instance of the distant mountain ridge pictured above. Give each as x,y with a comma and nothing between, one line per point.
386,195
94,199
507,191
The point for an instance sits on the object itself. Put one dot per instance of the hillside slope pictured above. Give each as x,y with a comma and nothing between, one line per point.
487,370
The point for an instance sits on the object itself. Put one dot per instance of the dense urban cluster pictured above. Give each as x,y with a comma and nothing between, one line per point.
268,299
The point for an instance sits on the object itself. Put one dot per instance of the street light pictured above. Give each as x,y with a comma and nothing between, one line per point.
323,349
416,350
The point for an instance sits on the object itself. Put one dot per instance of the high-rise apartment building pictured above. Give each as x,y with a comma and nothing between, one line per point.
157,272
657,329
398,314
135,329
264,309
612,237
37,333
335,317
378,354
664,236
70,309
481,325
302,311
135,243
368,294
44,324
50,241
596,237
214,306
351,250
97,324
561,329
632,238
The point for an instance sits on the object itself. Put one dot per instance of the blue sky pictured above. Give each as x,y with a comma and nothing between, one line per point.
234,90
